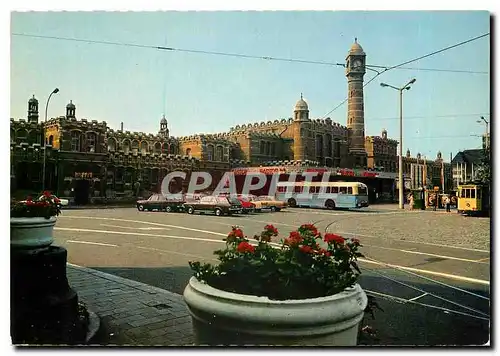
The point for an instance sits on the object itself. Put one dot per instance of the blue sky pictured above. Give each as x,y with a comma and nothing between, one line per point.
207,93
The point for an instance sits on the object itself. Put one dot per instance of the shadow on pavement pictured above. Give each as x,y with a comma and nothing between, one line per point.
399,324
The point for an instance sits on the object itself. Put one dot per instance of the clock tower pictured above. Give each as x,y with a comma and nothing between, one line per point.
355,71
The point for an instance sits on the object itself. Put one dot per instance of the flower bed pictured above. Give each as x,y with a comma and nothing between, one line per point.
300,268
46,206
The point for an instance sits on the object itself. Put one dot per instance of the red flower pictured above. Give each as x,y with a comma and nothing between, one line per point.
57,200
329,238
271,229
306,249
294,239
47,194
245,247
238,233
30,202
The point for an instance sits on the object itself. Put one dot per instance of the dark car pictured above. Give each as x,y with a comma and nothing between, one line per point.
212,204
160,203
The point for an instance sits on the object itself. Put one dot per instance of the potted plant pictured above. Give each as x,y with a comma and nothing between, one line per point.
302,291
32,221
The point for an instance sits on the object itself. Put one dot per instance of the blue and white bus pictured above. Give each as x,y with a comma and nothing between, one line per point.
330,195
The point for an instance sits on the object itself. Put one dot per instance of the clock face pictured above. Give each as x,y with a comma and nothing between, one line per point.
357,63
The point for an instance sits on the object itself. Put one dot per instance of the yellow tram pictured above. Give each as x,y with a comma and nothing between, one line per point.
473,199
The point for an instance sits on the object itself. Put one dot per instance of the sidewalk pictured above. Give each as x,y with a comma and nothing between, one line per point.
132,313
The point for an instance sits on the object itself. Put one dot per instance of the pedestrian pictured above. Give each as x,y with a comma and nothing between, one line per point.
447,202
435,201
411,202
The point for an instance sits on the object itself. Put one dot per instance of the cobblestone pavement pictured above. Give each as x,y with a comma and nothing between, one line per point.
450,250
132,313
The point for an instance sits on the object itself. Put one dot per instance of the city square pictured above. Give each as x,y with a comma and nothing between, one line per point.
155,247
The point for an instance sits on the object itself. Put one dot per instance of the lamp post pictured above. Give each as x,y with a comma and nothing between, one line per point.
407,86
486,138
55,91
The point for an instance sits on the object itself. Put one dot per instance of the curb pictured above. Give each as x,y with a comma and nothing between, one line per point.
93,327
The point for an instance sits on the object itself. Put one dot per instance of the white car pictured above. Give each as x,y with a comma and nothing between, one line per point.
62,202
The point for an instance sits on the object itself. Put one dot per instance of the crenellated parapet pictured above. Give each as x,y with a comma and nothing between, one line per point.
294,163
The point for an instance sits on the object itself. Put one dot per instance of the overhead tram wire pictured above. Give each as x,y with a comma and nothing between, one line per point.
385,69
238,55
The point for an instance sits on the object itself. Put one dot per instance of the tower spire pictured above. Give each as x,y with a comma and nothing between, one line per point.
301,96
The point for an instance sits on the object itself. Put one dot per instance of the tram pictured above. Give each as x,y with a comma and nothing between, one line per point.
473,199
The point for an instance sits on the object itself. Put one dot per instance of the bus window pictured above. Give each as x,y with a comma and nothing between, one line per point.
467,193
462,193
328,189
317,189
298,189
362,190
349,190
473,193
343,190
335,189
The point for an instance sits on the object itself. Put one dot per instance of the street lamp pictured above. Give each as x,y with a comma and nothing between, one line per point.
486,138
407,86
55,91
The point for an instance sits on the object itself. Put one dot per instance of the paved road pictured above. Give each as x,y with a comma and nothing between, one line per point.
448,251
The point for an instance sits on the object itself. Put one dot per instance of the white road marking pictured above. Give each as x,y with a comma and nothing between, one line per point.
450,276
139,234
483,259
147,223
418,297
135,228
439,274
427,254
91,243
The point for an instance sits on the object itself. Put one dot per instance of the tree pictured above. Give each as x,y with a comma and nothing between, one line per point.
484,170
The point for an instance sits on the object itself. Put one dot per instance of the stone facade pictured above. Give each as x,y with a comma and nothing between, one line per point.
381,153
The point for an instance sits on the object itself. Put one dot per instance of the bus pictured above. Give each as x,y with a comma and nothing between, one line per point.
329,195
473,199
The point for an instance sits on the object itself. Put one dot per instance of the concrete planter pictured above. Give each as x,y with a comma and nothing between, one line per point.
31,233
223,318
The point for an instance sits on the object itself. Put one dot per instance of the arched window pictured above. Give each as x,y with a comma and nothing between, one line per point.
51,140
157,147
126,146
144,147
135,146
262,147
111,144
210,152
76,143
91,142
219,153
337,148
188,152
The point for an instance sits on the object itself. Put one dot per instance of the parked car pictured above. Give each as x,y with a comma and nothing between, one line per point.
252,199
218,205
62,202
160,203
246,205
269,202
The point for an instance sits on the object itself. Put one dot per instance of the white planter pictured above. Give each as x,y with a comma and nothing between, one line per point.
30,233
223,318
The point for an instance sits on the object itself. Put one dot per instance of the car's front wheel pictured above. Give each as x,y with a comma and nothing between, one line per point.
218,212
140,207
168,209
190,210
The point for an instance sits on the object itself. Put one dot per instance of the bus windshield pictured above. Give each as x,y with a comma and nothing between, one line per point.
362,190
